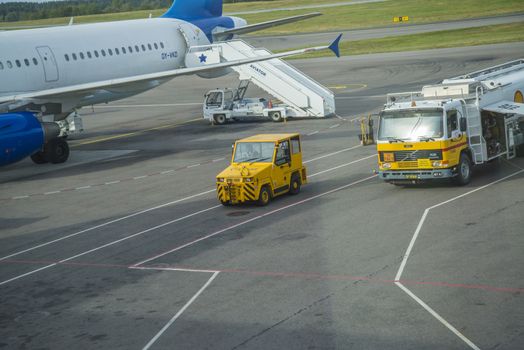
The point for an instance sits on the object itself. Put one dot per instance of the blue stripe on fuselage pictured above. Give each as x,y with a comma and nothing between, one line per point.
207,25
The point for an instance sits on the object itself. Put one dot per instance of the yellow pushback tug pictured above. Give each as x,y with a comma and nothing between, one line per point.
262,167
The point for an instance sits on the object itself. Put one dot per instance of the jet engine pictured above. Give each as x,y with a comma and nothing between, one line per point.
22,135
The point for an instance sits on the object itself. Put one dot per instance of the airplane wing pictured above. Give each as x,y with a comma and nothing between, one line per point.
260,26
67,91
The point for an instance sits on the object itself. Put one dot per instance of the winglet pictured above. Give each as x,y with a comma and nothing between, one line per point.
334,46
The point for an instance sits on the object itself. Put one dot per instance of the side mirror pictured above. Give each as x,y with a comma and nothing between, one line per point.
455,134
463,125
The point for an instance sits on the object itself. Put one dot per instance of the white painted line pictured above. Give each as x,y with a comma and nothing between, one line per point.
83,187
332,154
20,197
312,133
426,211
181,311
438,317
52,192
334,126
139,177
169,269
339,117
342,165
167,172
193,166
112,182
112,243
106,224
218,160
26,274
253,219
412,244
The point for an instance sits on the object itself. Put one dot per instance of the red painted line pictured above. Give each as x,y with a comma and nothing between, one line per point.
305,275
453,147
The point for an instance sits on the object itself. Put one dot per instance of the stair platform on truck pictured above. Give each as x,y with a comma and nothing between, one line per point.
304,96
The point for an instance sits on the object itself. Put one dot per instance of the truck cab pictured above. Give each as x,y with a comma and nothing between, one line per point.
262,167
423,140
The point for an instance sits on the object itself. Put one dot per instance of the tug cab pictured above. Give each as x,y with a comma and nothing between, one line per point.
262,167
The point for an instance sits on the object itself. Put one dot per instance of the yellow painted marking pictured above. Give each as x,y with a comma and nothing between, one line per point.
348,86
120,136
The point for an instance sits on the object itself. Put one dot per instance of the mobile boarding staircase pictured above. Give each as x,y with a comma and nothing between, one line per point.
304,96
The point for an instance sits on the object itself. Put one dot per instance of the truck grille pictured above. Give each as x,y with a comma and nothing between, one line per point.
234,193
406,156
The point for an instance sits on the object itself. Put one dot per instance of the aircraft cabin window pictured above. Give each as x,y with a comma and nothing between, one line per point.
18,64
156,46
110,52
74,56
26,61
149,47
89,54
143,47
1,66
161,44
96,53
66,56
117,51
35,61
103,52
136,48
9,64
82,55
123,50
130,49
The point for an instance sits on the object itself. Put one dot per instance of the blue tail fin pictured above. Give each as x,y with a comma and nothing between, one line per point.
190,10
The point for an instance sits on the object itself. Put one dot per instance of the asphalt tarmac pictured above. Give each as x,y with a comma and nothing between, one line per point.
126,246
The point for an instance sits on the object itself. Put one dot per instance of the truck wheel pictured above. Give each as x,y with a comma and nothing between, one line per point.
276,117
220,119
56,151
264,197
464,170
295,184
39,158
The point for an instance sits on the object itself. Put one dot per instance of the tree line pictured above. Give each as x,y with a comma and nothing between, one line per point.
23,11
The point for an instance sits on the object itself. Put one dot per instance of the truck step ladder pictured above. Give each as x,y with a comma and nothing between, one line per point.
476,141
304,96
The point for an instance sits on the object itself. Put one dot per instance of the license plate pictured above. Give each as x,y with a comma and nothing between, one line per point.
412,177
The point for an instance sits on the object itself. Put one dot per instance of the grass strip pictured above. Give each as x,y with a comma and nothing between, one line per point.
496,34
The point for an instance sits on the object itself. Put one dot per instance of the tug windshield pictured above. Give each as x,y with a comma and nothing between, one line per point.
411,125
260,152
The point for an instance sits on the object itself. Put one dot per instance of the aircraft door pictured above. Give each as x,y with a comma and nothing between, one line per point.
49,63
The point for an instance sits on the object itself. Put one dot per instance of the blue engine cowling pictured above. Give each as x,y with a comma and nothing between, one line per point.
22,135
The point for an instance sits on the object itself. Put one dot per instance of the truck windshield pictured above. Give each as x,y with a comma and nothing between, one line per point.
260,152
411,125
214,99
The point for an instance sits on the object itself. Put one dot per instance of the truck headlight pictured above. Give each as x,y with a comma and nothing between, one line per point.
440,163
220,179
386,165
248,179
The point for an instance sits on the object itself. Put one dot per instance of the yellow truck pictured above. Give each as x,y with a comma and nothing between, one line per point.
444,130
262,167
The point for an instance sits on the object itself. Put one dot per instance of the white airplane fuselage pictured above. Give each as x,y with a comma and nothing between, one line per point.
41,59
